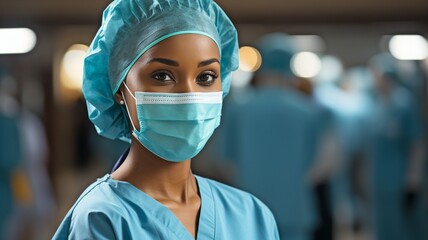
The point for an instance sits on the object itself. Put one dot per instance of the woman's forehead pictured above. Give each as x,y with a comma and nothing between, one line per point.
185,44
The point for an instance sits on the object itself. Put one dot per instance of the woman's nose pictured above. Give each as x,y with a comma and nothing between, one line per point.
186,85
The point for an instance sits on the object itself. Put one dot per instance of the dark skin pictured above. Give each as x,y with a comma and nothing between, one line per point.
179,64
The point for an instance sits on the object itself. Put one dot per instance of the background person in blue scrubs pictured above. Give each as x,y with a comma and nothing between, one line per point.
271,140
396,153
10,150
163,81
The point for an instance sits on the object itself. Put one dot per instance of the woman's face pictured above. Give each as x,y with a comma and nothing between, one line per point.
179,64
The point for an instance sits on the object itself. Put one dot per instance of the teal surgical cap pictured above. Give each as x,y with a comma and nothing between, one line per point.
276,50
129,28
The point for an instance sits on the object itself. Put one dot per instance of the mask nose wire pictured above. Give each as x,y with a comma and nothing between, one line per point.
126,105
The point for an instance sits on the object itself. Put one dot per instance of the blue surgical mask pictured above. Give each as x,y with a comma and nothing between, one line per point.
176,126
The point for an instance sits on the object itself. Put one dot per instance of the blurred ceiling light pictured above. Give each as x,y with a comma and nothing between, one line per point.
408,47
16,40
71,75
305,64
249,59
310,43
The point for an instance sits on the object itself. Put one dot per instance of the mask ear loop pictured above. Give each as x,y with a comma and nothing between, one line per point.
126,105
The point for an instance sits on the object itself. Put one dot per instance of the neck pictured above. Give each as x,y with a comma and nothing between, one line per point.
160,179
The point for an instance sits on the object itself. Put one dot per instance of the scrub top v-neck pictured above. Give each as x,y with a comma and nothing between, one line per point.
112,209
206,225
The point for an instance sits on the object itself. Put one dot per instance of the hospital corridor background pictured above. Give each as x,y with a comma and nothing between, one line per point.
326,121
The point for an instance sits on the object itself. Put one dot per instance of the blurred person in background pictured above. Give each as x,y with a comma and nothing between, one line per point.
396,153
33,197
36,214
413,76
326,161
345,94
271,139
10,151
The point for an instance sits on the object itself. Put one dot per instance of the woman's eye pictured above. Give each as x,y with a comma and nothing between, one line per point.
162,76
207,78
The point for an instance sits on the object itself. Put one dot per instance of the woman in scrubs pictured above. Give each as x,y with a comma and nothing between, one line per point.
155,75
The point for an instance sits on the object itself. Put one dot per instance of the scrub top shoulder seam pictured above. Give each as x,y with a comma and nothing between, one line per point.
99,181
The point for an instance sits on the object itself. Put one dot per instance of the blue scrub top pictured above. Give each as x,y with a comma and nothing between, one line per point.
112,209
396,126
10,160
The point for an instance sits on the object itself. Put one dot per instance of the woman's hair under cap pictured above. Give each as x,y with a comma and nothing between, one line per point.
129,28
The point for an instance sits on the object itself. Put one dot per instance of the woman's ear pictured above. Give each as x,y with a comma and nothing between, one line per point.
119,98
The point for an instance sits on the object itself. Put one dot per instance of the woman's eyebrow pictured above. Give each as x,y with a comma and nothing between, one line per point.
164,61
208,62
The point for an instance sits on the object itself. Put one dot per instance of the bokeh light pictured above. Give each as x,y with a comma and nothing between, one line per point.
408,47
249,59
17,40
305,64
72,67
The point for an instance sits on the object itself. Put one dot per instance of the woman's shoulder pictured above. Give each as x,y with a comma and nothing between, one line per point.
99,202
95,207
99,196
